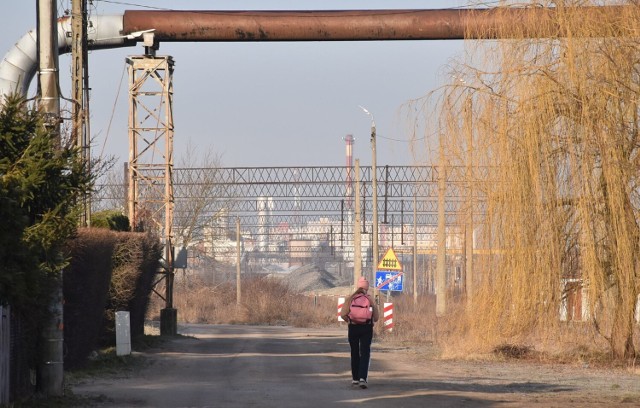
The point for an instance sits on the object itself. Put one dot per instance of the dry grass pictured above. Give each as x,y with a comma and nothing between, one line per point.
271,301
263,301
414,323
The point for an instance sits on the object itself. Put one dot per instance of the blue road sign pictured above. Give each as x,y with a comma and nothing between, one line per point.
389,280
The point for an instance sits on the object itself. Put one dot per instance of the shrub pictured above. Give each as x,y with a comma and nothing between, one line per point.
136,261
110,219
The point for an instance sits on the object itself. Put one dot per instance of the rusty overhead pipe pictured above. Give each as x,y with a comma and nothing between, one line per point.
361,25
18,66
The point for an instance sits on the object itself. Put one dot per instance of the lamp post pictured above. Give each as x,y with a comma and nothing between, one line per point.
374,186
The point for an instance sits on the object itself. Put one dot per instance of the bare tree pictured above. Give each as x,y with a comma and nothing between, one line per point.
199,196
110,192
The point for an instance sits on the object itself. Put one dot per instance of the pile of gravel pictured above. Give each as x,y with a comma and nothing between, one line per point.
310,278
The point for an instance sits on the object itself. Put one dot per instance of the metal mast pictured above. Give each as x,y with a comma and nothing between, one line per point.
52,364
150,194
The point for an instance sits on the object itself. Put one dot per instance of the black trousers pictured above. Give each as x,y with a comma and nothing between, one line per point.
360,337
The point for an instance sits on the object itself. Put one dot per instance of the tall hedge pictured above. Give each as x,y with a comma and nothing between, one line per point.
109,271
86,288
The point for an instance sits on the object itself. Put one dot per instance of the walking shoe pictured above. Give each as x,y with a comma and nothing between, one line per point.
355,382
363,383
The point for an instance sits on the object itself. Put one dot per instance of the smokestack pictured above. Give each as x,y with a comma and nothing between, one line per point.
349,139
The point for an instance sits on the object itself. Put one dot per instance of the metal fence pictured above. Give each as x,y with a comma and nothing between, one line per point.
302,215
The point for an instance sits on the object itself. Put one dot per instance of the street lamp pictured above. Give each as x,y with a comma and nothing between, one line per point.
374,186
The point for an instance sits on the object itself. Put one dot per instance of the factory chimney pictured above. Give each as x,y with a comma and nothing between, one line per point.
349,139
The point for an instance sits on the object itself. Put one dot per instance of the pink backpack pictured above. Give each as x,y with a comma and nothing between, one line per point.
360,311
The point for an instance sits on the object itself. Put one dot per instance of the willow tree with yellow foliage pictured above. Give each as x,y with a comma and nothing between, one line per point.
556,121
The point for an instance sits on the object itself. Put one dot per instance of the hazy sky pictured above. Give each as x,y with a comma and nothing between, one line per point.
266,104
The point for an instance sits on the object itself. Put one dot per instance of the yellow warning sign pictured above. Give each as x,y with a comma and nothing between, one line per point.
390,262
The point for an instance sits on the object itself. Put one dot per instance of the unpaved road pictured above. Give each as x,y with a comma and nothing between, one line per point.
269,366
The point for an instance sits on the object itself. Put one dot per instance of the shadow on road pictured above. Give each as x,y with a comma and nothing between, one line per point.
284,367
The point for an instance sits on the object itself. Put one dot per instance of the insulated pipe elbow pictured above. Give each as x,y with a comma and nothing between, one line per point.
18,66
20,63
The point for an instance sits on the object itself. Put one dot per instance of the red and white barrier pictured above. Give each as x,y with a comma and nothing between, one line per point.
340,304
388,317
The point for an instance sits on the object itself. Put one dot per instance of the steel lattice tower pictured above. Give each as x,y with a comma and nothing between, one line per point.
150,173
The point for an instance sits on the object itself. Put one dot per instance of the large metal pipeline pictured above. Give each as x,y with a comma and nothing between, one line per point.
362,25
19,64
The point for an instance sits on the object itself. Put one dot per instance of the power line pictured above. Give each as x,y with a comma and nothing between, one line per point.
478,5
113,111
133,4
402,140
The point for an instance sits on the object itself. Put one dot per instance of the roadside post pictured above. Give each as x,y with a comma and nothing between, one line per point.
388,317
123,333
340,305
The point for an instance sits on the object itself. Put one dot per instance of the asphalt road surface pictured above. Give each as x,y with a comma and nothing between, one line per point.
280,366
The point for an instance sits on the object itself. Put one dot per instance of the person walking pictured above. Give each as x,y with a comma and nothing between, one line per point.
361,312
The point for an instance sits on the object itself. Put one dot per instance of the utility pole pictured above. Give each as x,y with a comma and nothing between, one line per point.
415,247
441,267
238,283
357,246
79,133
49,98
374,187
468,238
52,363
